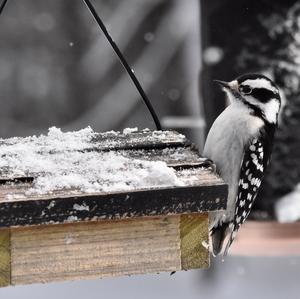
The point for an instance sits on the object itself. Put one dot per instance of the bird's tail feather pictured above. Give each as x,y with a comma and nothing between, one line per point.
232,236
218,235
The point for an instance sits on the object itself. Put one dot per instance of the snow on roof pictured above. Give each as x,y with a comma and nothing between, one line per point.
58,161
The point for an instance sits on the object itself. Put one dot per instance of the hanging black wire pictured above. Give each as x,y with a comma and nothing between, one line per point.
124,63
2,6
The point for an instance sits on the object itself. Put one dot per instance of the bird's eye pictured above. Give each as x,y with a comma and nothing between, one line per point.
245,89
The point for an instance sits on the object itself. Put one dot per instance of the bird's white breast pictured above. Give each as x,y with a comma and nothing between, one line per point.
225,143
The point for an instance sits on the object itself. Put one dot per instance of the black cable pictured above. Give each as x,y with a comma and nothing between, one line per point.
2,6
124,63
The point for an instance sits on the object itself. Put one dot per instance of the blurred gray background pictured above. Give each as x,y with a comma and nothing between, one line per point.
57,69
247,278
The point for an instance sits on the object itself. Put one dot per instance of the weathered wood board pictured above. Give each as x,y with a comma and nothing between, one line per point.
5,257
62,207
105,248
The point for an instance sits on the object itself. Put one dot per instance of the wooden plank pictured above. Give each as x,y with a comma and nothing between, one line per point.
117,141
260,238
139,140
5,258
194,237
176,157
144,145
69,207
173,156
102,249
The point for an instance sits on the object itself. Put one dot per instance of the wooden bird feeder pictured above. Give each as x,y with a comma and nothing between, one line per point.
70,234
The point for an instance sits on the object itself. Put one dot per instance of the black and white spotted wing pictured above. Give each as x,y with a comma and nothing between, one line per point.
252,171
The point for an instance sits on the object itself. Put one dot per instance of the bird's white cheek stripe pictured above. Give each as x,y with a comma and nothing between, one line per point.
271,110
260,83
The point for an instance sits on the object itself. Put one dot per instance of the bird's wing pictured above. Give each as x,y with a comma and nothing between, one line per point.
252,171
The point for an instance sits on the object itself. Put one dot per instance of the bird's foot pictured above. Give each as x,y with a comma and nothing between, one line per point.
208,163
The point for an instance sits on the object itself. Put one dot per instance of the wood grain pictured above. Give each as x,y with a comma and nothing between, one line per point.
139,140
5,258
106,248
194,236
259,238
95,250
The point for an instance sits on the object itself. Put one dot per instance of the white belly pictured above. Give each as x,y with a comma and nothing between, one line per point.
225,144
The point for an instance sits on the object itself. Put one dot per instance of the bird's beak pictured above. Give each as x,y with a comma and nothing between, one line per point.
233,85
223,83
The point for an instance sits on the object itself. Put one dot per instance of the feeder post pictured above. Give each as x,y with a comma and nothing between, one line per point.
5,258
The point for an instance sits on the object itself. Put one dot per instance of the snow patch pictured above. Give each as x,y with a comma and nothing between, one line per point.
82,207
130,130
60,161
287,209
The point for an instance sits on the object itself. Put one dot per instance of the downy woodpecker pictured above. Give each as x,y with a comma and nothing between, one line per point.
240,144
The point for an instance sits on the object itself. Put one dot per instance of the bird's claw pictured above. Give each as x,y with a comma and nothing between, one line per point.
208,163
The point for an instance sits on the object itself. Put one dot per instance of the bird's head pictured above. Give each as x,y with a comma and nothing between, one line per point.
256,91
